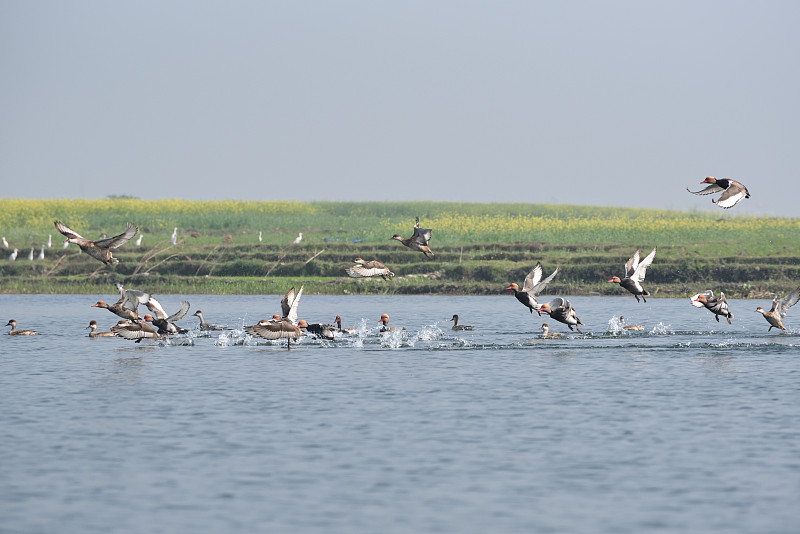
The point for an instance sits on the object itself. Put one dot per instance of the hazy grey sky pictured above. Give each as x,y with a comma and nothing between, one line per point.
609,103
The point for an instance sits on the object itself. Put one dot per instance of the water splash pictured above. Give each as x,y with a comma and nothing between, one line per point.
662,329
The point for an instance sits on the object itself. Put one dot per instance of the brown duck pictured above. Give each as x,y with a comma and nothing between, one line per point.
100,250
418,241
14,332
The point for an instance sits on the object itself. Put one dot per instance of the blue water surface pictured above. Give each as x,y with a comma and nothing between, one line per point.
687,426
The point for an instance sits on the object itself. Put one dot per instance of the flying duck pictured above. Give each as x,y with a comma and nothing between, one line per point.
99,250
733,191
634,275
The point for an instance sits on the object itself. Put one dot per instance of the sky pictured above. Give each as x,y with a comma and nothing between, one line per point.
620,103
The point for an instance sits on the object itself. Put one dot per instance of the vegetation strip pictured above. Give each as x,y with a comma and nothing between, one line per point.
480,248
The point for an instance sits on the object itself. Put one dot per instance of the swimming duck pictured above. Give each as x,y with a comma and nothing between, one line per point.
716,305
779,308
562,311
629,326
734,191
338,323
204,325
135,331
532,287
418,241
457,326
634,274
547,334
386,328
14,332
99,250
365,269
94,333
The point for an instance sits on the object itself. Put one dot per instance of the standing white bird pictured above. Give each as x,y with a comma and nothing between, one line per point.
259,236
5,242
30,255
13,255
174,237
139,240
66,244
298,238
50,241
41,253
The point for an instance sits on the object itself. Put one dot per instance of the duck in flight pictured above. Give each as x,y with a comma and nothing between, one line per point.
418,241
733,191
101,249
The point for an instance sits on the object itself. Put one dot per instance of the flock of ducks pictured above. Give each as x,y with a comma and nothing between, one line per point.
157,323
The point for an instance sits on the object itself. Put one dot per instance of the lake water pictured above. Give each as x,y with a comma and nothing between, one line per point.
688,426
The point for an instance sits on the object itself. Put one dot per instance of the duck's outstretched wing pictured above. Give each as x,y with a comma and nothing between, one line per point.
421,235
710,190
180,314
133,331
782,306
155,307
273,330
539,287
67,231
697,304
732,195
370,269
132,298
641,269
632,264
289,304
118,240
533,278
557,303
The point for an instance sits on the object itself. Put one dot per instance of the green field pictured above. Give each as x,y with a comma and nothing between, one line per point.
480,248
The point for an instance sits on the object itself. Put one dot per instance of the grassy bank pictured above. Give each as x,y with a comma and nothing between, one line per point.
480,248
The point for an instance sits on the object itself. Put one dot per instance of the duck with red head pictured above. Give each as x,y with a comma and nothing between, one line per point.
532,287
338,322
118,309
634,275
733,191
561,310
385,322
716,305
